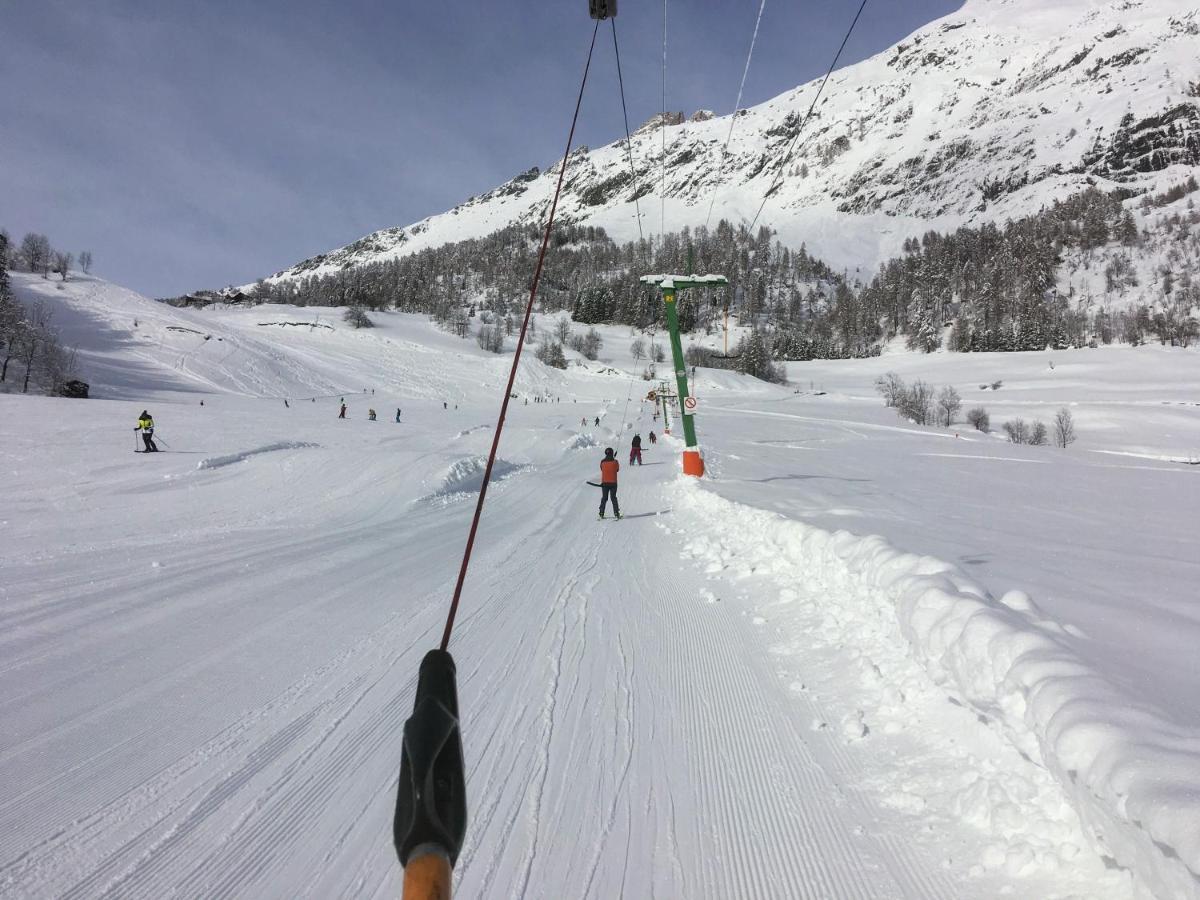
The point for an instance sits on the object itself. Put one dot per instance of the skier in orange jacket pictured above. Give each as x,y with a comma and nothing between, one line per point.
608,482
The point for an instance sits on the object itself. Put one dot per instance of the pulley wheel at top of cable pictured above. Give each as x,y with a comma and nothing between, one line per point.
602,9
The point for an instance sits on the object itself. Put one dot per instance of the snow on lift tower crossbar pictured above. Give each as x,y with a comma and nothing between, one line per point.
693,462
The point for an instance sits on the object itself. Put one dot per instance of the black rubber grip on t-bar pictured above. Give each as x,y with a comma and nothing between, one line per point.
431,803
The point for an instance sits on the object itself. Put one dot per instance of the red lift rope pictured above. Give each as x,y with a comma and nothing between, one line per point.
512,375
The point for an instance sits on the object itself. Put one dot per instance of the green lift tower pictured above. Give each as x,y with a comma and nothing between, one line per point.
670,285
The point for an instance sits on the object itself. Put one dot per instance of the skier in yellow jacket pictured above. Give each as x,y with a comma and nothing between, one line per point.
146,426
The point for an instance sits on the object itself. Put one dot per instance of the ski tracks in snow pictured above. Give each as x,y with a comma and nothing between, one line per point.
648,756
897,741
623,738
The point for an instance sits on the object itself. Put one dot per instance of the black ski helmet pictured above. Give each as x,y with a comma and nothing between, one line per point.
609,451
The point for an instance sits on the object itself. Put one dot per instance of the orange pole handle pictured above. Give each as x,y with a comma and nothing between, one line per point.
428,875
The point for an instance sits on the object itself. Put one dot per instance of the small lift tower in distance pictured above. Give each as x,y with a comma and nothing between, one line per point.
693,463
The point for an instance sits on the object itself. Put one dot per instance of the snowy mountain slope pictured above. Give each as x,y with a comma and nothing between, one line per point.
130,346
207,654
986,114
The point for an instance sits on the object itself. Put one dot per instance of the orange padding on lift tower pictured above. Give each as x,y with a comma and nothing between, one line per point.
693,463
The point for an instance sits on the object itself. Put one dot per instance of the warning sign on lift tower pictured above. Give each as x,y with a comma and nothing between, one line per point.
689,405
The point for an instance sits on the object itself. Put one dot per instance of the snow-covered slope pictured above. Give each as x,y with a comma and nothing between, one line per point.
986,114
862,659
132,347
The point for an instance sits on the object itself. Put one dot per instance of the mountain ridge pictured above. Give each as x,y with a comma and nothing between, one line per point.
986,114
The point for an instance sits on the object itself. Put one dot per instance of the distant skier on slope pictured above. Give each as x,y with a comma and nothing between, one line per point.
371,415
608,481
635,449
146,426
583,422
653,438
597,421
342,411
397,414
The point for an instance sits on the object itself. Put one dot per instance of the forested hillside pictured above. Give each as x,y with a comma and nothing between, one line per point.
1076,273
1096,268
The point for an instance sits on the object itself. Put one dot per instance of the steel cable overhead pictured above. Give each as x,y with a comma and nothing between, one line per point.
737,104
512,375
788,155
662,190
628,140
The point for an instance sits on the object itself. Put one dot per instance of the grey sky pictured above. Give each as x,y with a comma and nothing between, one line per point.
194,144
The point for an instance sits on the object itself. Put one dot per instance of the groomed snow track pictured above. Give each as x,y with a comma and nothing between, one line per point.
204,670
623,737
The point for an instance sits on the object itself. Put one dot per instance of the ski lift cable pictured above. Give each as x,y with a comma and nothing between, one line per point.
629,393
512,375
737,104
625,411
812,107
662,190
628,140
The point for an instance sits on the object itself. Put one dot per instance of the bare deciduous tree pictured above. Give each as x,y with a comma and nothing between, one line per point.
491,338
638,349
35,251
917,403
979,418
357,316
35,345
1017,431
1064,428
14,342
592,342
62,263
1038,436
85,261
562,329
28,349
891,386
949,403
11,317
54,365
